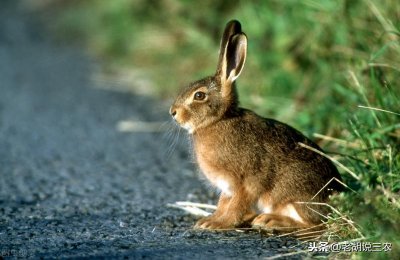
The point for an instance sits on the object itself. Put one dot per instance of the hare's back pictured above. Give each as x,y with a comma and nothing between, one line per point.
275,134
282,142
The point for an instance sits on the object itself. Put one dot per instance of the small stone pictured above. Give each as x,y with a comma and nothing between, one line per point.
122,224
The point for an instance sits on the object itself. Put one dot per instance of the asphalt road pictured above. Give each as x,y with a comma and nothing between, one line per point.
72,184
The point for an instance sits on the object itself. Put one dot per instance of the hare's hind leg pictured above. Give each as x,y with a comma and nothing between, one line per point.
283,218
276,222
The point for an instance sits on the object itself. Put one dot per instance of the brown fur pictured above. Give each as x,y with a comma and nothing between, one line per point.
256,161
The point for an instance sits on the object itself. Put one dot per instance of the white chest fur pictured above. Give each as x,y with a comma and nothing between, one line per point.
216,175
223,186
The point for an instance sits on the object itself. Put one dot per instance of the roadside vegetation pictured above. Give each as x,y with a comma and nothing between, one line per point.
329,68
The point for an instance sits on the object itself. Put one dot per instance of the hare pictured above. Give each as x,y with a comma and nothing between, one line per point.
257,163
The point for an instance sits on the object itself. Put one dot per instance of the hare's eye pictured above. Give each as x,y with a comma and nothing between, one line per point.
199,95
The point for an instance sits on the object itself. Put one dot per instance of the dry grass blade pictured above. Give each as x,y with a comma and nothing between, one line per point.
310,238
197,205
333,179
193,208
383,65
350,222
379,109
287,254
338,141
304,231
387,25
332,159
361,90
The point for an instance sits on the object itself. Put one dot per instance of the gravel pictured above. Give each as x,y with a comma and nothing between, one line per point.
72,184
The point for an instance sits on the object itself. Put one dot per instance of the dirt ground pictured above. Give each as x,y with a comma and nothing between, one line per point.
72,184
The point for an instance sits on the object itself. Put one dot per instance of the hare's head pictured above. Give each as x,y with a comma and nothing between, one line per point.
208,100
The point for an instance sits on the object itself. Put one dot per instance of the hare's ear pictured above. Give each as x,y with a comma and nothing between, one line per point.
232,56
233,27
235,57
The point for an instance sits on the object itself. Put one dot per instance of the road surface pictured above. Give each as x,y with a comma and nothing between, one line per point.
72,184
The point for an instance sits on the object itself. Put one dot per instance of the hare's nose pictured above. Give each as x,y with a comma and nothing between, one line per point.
172,111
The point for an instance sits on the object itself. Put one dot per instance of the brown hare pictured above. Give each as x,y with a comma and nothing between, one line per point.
256,162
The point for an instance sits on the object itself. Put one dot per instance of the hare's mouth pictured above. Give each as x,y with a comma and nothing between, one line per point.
181,120
188,127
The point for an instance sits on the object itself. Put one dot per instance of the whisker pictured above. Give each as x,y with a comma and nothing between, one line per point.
171,136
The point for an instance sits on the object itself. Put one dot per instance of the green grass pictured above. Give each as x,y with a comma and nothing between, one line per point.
316,65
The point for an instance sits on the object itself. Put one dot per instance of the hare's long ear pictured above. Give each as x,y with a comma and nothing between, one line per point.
235,56
233,27
232,56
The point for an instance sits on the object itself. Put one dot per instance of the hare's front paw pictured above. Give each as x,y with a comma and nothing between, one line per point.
213,223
